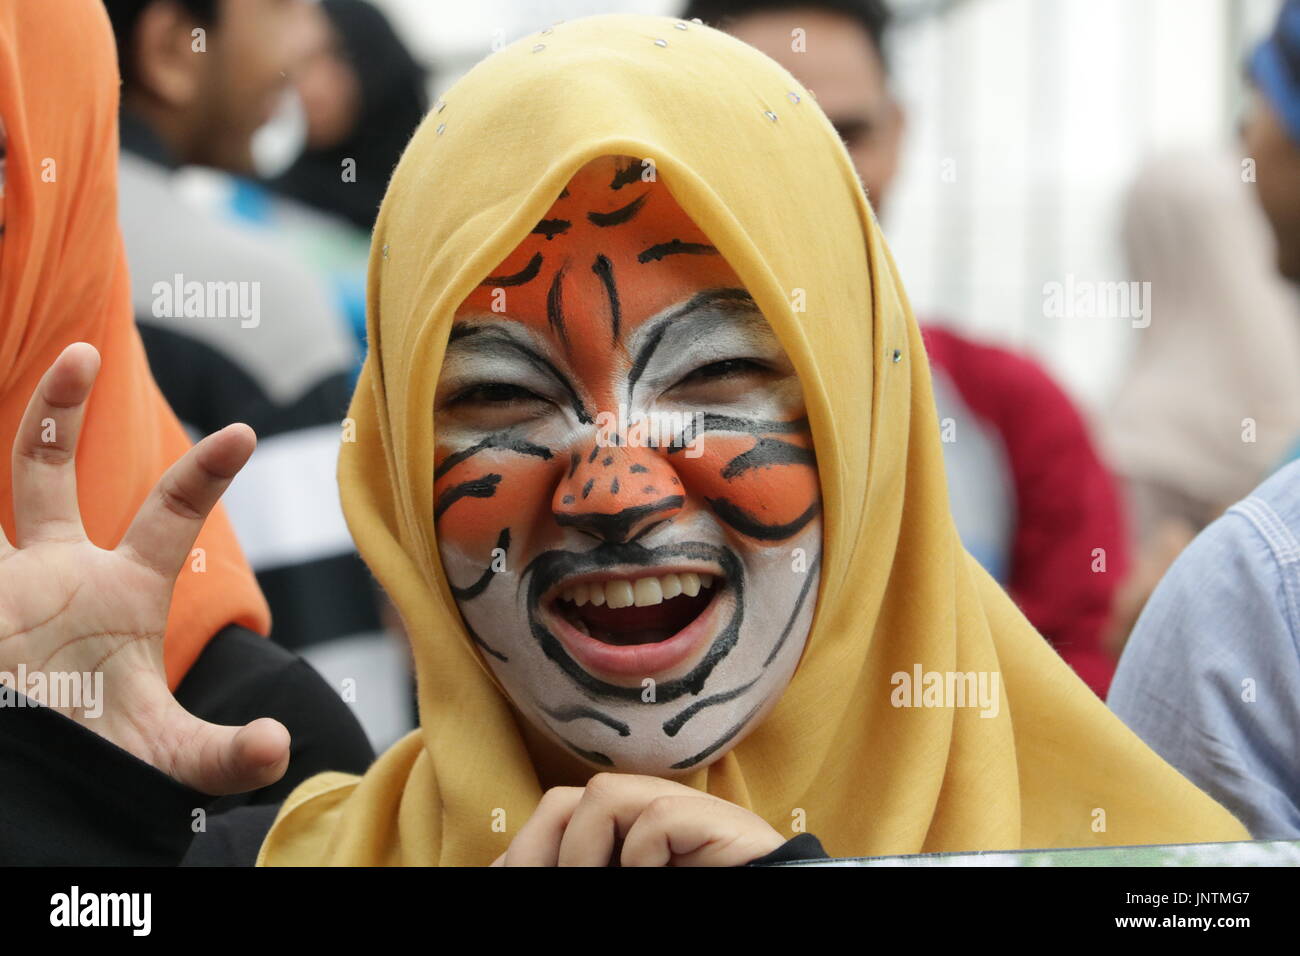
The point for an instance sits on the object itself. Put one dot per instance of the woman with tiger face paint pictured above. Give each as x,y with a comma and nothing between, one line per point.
645,452
619,426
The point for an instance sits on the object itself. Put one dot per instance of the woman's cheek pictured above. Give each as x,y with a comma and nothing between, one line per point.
763,480
505,494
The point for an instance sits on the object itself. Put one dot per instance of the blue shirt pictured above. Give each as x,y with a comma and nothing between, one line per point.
1210,677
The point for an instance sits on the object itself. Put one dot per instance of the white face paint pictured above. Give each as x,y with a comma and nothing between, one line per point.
625,494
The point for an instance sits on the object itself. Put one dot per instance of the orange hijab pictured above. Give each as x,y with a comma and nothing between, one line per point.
63,279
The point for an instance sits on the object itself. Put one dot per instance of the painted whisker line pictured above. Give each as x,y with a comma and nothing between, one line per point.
618,216
766,453
487,648
810,574
555,306
674,724
675,247
526,274
713,422
479,586
503,442
483,487
720,742
747,524
579,712
604,270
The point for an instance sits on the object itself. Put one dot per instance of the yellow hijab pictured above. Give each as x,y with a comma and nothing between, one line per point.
751,159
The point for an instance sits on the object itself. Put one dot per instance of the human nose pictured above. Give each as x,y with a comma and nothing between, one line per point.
617,493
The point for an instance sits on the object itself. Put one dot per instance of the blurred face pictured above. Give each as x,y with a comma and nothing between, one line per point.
626,495
327,84
1277,171
252,49
835,58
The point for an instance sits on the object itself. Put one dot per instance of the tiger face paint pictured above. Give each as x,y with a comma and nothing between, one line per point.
625,492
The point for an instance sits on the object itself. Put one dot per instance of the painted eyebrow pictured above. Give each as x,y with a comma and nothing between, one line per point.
738,299
620,215
675,247
495,340
526,274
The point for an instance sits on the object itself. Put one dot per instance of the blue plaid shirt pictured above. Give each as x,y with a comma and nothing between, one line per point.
1210,678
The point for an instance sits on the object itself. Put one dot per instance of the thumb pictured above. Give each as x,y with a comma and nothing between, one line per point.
221,760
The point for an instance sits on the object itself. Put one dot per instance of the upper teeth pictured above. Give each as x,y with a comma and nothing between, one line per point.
642,592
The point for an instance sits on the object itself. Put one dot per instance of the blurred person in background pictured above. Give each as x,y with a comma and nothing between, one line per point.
1210,677
1032,500
1272,139
199,78
1212,398
63,279
363,95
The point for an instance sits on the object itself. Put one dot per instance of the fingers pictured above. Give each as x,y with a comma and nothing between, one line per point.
610,804
171,517
45,448
697,830
538,841
221,760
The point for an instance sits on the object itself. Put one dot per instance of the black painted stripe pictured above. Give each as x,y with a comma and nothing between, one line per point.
479,586
766,453
674,724
505,442
747,524
578,712
484,487
620,215
675,247
604,270
720,742
526,274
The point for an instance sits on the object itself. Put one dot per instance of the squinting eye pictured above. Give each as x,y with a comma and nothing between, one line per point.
494,393
728,368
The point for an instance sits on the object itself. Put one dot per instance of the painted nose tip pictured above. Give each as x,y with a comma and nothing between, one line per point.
617,494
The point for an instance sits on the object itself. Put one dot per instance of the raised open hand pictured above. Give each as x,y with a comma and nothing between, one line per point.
69,607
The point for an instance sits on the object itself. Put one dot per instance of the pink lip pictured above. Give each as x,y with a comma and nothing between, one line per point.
637,660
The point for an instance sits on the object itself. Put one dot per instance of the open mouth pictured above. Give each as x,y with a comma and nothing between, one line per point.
625,612
630,628
618,614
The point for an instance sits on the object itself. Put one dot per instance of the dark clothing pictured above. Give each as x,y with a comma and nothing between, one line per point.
241,676
70,797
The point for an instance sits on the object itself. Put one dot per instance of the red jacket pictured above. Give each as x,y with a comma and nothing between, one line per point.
1067,505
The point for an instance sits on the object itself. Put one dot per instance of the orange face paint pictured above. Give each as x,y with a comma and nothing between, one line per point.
615,419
